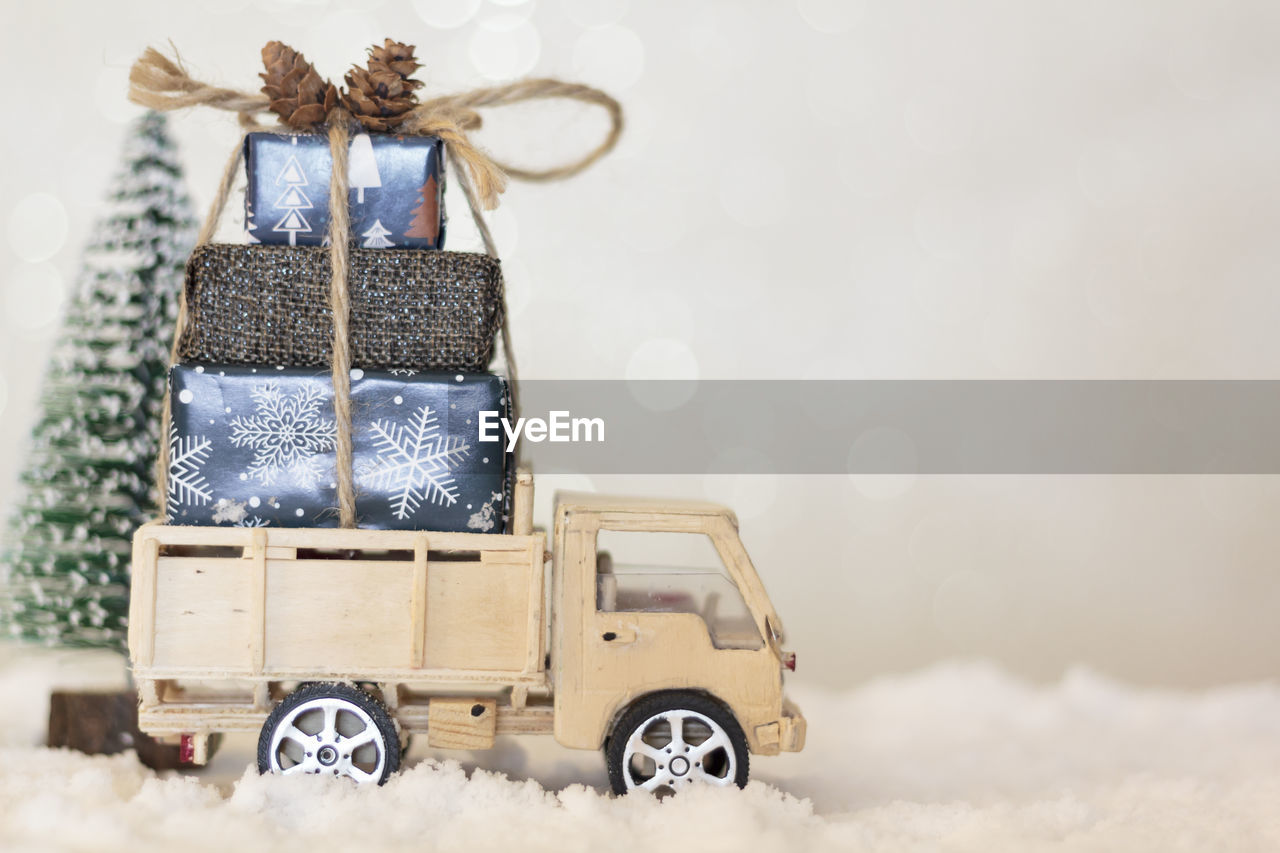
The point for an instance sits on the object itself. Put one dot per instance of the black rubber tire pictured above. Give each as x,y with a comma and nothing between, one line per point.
672,700
320,690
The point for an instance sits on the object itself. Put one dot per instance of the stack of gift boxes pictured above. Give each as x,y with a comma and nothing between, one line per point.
253,428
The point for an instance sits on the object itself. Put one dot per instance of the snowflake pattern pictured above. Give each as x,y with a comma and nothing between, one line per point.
414,463
286,433
187,486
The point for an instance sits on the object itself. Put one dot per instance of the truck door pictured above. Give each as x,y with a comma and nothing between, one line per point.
658,611
650,572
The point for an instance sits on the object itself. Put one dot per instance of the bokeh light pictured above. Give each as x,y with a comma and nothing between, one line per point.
595,13
748,495
504,46
446,14
33,295
883,449
110,94
337,40
37,227
662,358
610,57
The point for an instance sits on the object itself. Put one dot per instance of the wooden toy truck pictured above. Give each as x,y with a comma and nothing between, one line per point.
335,643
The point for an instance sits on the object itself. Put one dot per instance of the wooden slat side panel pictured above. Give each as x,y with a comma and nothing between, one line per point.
338,614
535,639
182,720
477,615
202,613
260,616
418,602
522,504
258,600
142,602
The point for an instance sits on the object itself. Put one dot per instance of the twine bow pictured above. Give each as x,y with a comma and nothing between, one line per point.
164,84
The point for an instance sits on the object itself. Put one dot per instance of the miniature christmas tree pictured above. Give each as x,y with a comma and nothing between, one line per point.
89,480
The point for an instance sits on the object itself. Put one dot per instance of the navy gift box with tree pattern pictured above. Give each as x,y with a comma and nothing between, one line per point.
396,190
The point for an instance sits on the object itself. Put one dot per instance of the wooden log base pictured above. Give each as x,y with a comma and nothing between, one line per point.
104,723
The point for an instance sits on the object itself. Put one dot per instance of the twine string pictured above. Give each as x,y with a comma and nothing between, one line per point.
340,304
207,229
462,109
163,84
491,248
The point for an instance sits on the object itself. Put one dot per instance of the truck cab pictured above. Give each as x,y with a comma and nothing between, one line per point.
649,660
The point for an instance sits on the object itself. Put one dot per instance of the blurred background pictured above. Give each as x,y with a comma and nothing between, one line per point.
814,189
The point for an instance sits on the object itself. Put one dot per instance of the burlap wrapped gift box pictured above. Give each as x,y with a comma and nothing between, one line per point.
412,310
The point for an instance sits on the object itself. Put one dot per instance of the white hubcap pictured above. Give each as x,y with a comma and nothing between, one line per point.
675,749
329,736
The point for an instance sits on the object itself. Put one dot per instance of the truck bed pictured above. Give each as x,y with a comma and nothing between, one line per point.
220,616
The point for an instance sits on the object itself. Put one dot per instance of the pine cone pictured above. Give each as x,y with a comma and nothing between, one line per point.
297,93
381,94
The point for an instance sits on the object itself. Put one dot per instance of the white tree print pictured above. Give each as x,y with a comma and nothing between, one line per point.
287,434
414,463
362,168
377,236
293,200
249,225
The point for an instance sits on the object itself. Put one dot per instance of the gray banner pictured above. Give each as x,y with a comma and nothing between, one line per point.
904,427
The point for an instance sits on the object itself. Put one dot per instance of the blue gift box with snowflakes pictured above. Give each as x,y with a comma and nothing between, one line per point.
396,190
254,446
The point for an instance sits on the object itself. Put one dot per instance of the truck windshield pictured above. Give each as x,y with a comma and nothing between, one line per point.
673,573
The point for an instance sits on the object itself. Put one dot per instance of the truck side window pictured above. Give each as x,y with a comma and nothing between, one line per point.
672,573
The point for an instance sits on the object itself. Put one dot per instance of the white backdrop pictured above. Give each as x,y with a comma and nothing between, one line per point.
817,189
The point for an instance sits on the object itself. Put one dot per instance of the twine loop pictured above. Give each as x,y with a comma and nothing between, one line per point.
161,83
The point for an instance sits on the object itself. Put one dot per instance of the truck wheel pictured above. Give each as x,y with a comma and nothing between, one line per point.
330,729
672,740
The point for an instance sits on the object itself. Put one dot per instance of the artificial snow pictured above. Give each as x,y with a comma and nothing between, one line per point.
956,757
